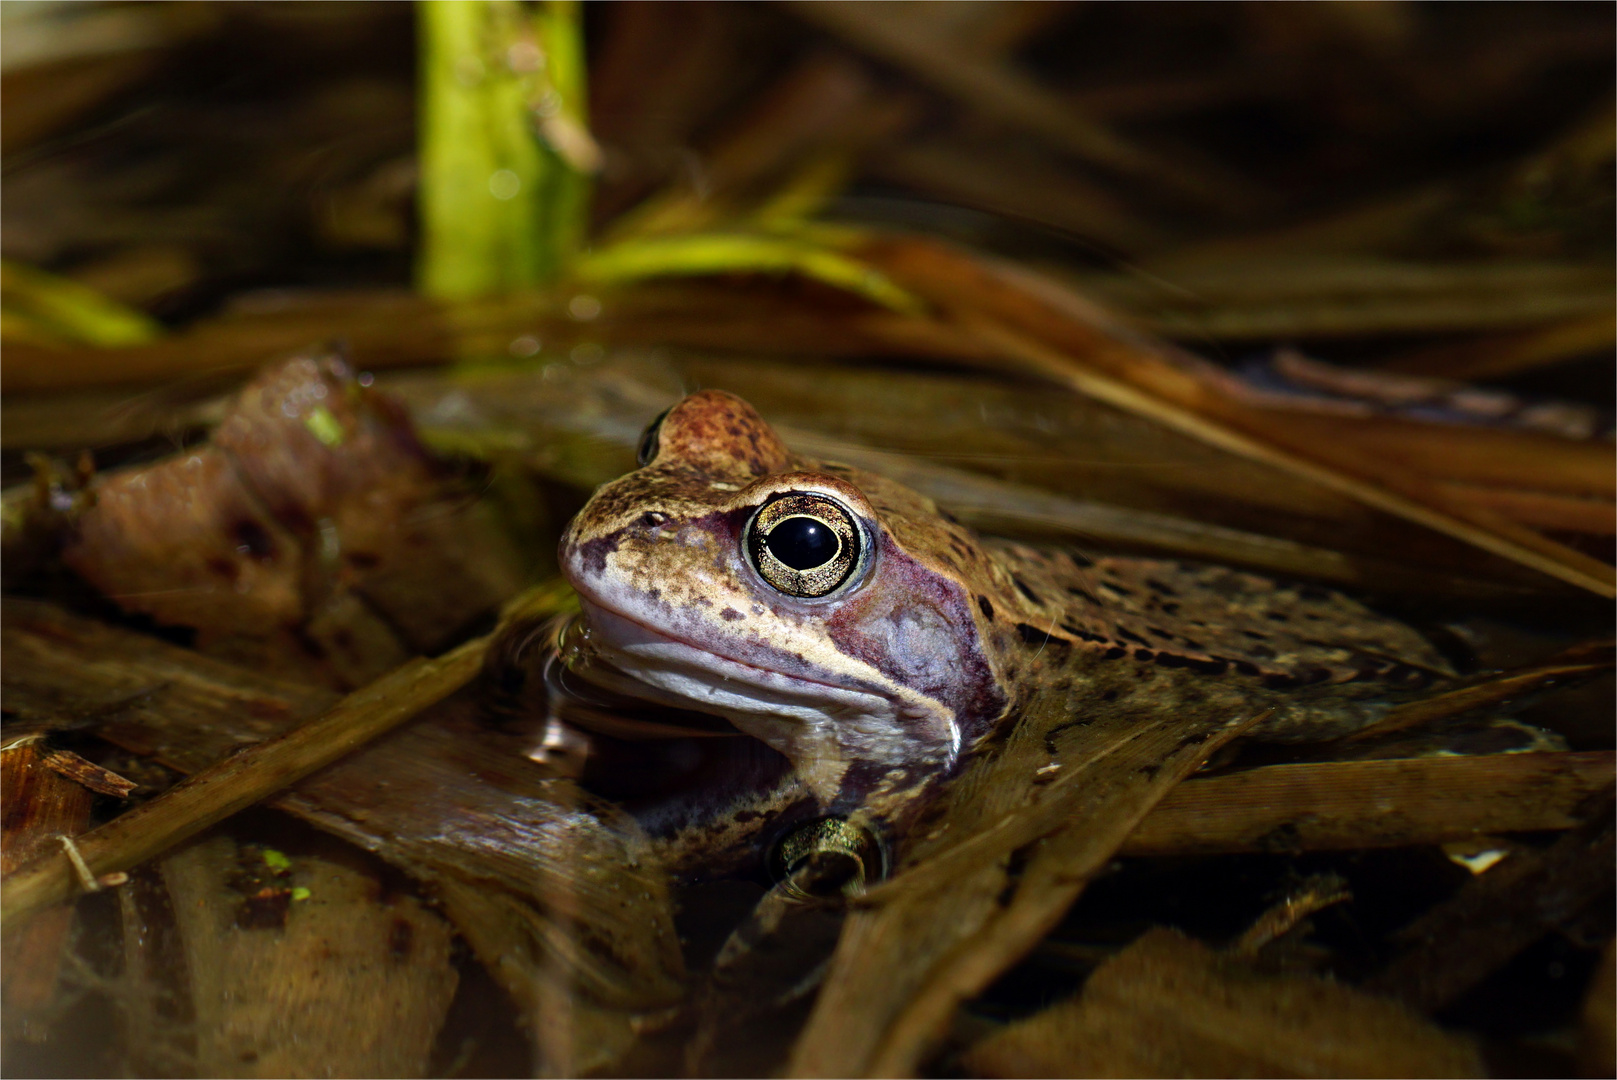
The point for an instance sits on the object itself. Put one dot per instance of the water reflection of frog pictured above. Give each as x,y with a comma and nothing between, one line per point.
853,627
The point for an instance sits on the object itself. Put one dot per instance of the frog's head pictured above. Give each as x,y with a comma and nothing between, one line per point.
822,610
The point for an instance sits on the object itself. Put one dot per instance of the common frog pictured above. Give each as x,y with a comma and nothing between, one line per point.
857,629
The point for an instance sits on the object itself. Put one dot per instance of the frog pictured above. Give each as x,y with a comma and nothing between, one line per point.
872,644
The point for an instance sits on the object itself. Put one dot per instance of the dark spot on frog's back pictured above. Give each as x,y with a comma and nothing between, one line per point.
1032,635
985,607
1022,587
730,614
1084,635
1213,666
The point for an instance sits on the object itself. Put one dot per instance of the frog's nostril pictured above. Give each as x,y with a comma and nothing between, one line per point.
651,519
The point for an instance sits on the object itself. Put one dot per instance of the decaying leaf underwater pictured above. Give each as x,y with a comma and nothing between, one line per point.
952,662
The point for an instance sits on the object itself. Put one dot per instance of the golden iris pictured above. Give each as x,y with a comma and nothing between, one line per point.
804,545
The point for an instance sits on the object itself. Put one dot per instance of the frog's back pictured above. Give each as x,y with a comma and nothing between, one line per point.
1183,631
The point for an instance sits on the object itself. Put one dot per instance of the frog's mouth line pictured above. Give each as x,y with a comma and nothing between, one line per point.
798,716
621,634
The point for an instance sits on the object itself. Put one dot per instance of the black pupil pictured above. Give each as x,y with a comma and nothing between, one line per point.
802,543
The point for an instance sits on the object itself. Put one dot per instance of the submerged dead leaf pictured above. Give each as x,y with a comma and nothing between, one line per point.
556,890
1170,1006
344,977
312,535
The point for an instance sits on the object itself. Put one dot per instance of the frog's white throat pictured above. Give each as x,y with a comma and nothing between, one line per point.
821,726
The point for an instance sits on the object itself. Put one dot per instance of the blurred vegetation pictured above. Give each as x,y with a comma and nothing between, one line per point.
505,154
48,310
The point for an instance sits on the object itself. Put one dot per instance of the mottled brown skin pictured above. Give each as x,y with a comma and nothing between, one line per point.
883,687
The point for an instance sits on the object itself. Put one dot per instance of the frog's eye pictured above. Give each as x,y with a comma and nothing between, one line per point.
648,440
804,545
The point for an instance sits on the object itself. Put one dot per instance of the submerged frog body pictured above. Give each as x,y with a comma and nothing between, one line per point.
850,624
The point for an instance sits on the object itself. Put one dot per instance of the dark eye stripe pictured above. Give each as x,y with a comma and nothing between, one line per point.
804,545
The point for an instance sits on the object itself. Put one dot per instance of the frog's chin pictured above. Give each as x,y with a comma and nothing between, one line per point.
820,726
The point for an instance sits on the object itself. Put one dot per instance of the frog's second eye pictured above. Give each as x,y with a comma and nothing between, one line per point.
648,440
804,545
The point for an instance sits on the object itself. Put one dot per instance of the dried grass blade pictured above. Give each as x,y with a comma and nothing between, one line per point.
245,778
1097,817
1510,354
1540,510
1498,536
1582,660
998,506
1344,805
906,955
1003,92
1043,326
740,253
1410,451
